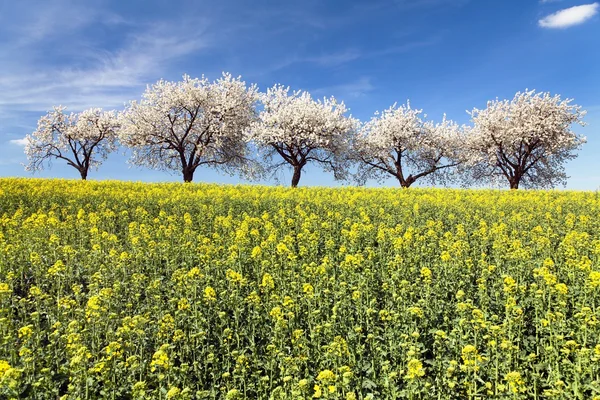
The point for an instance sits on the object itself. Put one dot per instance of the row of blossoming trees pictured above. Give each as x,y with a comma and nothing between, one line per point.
234,128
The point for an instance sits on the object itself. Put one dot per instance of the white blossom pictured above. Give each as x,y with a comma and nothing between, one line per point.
297,130
183,125
399,143
82,139
526,140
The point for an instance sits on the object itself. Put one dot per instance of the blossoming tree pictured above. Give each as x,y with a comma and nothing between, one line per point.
294,130
187,124
82,139
399,143
526,140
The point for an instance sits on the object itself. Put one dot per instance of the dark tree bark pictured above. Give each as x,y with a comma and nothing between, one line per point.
297,175
188,174
405,183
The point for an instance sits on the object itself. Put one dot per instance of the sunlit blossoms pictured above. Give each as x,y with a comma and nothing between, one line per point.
191,123
232,127
294,130
526,140
399,143
82,140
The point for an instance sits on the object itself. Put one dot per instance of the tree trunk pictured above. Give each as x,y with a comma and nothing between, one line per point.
296,176
405,183
188,175
83,173
514,182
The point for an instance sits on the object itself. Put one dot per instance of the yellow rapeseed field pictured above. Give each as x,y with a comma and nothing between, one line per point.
178,291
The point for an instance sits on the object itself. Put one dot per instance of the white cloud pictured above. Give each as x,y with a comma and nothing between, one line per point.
342,57
569,16
109,83
334,59
348,90
83,73
18,142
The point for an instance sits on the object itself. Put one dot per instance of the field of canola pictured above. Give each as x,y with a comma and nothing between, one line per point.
170,291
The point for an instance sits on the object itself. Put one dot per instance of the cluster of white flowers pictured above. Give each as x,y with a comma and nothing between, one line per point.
526,140
83,140
194,122
183,125
399,143
300,130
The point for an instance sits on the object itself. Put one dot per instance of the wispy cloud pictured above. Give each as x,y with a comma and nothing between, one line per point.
50,20
335,58
338,58
354,89
570,16
403,48
10,161
81,72
18,142
324,59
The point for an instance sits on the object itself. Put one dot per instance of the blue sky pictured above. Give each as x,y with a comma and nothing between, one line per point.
444,55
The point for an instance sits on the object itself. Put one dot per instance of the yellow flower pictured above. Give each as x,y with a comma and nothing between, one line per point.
276,313
4,288
210,294
98,367
57,268
194,273
183,304
426,274
234,277
446,256
515,382
308,289
303,383
594,279
318,392
509,284
4,366
415,369
113,350
561,288
326,375
416,311
471,358
256,252
267,281
440,334
9,377
385,315
253,298
282,248
233,394
166,326
173,392
178,335
160,359
26,331
93,307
